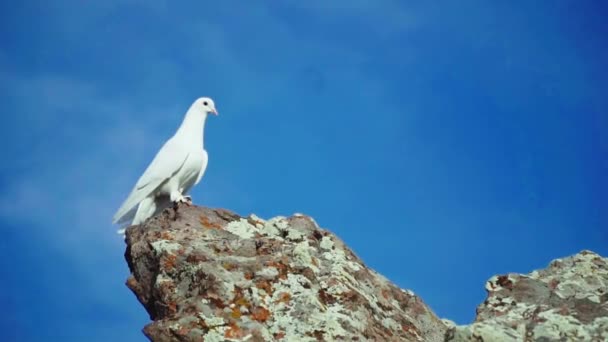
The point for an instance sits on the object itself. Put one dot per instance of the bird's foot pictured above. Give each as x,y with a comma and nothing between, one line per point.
184,199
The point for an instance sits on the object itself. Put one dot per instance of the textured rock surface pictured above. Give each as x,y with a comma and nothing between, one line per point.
204,273
568,301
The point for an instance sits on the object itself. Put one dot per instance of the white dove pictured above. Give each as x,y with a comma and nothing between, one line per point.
177,167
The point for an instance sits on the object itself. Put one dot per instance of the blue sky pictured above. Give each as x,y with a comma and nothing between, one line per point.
444,142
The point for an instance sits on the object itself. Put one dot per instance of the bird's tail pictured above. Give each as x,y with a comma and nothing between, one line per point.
126,221
148,207
130,205
137,214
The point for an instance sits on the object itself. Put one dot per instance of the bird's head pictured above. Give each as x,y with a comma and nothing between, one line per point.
207,105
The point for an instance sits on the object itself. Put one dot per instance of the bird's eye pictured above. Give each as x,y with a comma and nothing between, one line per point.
205,103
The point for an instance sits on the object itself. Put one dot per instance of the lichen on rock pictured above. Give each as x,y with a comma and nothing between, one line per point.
568,301
211,275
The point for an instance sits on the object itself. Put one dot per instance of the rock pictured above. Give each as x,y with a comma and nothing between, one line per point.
211,274
568,301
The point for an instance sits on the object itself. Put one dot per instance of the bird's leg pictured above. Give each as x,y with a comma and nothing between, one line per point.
178,197
186,198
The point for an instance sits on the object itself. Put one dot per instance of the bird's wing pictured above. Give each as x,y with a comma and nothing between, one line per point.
203,167
165,164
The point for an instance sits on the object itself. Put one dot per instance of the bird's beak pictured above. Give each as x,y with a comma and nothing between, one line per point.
214,111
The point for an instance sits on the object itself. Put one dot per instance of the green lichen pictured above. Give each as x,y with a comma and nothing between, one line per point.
242,228
167,246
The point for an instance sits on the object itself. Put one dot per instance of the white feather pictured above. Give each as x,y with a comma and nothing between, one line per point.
178,165
165,164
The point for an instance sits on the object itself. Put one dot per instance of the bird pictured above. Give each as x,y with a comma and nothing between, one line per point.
177,167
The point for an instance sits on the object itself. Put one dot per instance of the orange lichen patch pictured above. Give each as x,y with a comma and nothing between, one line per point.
385,293
241,302
217,302
350,295
325,297
260,314
248,275
229,266
204,221
170,261
183,331
132,283
172,307
195,258
271,263
281,267
165,235
279,335
239,298
234,331
284,297
236,312
264,285
410,329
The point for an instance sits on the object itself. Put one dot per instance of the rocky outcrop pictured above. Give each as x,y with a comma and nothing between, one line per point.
205,273
568,301
212,275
